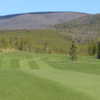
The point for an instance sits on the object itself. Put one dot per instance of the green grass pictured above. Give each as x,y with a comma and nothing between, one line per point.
83,64
17,85
28,76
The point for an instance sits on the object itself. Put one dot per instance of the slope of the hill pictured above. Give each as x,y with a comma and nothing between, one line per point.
39,20
82,28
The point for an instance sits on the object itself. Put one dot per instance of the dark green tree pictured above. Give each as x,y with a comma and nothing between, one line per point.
98,50
73,51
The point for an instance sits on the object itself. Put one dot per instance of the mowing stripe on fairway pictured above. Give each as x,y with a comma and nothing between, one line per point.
46,71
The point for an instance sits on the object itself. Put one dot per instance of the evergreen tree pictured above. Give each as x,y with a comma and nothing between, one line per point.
98,50
73,51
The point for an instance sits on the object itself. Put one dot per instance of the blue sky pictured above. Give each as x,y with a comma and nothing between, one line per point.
21,6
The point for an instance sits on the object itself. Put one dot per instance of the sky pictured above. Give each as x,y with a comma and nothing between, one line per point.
24,6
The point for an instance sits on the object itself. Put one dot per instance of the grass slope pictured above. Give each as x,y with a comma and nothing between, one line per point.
27,76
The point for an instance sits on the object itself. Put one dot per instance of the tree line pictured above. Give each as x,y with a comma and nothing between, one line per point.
93,50
23,42
26,43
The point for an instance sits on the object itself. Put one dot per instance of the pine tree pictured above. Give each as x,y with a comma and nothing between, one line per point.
98,50
73,51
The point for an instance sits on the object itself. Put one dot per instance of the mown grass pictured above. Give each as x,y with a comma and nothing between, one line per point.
17,85
83,64
29,76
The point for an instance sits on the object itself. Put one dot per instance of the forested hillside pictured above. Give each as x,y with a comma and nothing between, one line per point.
33,40
82,29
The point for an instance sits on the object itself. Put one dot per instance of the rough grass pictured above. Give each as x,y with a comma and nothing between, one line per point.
27,76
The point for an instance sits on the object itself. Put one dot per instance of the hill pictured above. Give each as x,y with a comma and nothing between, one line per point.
37,20
83,28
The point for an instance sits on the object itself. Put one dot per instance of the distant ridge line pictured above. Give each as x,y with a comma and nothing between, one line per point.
44,12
